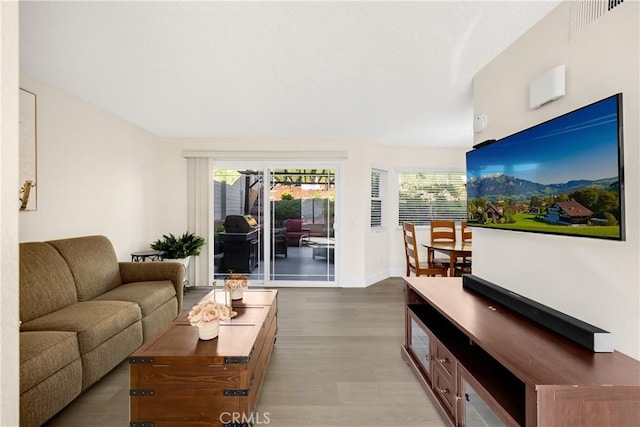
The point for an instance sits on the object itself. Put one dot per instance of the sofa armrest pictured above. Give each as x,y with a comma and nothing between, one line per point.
131,272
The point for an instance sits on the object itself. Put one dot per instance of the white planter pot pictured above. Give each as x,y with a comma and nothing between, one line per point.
183,261
236,294
209,331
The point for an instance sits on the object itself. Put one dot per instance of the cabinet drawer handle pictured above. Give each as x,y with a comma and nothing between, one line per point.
443,360
428,357
443,390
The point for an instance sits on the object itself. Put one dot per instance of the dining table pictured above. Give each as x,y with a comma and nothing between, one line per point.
455,250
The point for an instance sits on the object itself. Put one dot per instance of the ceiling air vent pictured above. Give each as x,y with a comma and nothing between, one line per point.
586,11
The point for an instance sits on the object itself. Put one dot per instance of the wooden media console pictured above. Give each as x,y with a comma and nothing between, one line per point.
483,364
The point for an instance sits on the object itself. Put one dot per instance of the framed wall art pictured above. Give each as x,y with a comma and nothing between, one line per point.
28,171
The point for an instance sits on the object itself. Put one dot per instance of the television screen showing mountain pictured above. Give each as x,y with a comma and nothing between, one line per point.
563,176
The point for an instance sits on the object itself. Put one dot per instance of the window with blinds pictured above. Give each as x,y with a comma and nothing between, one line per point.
424,196
377,180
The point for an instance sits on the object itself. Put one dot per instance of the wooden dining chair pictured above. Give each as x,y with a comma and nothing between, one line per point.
442,231
411,251
463,264
466,231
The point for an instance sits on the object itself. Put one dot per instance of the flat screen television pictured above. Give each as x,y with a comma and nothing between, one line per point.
563,176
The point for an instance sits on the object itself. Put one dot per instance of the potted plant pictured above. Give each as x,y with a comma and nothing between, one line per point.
179,248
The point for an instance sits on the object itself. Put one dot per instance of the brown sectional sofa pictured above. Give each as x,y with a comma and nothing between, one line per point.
82,313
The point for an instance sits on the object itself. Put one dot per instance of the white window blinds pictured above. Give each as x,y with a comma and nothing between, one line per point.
424,196
377,182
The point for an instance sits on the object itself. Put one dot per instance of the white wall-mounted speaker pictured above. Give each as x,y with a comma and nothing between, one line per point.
548,87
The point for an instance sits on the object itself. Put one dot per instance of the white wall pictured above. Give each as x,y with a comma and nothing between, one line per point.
96,174
9,347
594,280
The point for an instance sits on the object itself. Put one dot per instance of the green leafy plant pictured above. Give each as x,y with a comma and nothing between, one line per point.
286,208
187,244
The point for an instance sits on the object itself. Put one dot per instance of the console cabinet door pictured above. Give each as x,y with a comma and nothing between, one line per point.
476,407
421,342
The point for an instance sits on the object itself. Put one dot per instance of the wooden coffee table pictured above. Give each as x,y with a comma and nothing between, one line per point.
177,379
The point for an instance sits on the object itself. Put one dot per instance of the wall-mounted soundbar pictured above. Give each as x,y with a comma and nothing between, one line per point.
589,336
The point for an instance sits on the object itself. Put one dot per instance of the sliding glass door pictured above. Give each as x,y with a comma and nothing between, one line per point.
275,225
302,218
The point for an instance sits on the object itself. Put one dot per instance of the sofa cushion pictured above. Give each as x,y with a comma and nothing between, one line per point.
102,359
148,295
45,399
43,353
94,321
92,262
134,272
46,283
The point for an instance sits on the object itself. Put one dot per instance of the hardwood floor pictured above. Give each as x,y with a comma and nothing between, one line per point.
336,362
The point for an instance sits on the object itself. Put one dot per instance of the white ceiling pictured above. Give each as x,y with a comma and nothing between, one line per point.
399,73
